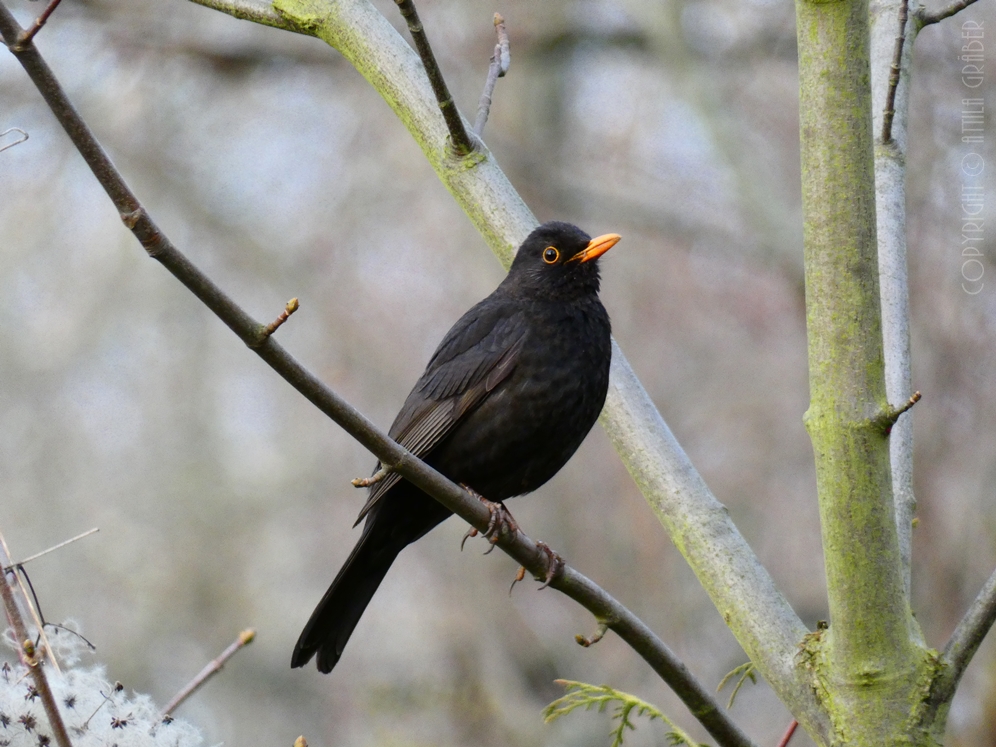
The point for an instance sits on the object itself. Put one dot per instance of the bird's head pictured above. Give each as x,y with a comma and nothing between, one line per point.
559,260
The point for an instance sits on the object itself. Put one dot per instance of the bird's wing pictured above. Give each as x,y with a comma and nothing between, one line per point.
477,354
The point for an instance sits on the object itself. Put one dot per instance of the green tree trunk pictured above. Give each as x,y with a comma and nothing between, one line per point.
872,670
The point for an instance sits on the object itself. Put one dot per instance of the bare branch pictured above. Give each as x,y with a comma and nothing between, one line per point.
458,133
567,580
500,61
894,70
292,306
24,136
599,634
787,736
890,212
965,641
31,660
926,18
376,477
244,638
29,34
53,548
885,420
30,600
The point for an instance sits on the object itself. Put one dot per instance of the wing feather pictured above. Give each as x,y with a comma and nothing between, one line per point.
477,354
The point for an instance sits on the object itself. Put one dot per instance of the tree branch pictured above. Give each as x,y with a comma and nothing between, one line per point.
926,19
24,136
212,668
256,11
500,61
894,69
699,525
29,33
965,641
517,545
458,133
872,656
890,229
29,656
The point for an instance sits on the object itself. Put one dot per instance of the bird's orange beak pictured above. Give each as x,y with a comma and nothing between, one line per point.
597,247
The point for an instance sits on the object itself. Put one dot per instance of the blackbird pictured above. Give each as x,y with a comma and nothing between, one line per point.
507,398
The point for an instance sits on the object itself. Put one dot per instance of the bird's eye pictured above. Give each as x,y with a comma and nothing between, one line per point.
551,255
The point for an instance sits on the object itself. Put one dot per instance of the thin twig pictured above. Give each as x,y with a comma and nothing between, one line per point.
928,18
24,136
29,34
32,662
965,640
273,326
787,736
454,122
35,613
894,72
376,477
599,634
885,420
570,582
214,666
500,61
53,548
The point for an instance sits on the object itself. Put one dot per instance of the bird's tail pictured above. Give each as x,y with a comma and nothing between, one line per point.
336,615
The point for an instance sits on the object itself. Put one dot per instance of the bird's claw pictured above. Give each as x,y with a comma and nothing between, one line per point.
501,521
472,532
519,575
554,566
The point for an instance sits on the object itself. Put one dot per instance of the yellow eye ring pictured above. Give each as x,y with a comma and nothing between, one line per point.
551,255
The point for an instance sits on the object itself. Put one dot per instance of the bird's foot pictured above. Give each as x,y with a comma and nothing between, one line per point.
501,521
554,566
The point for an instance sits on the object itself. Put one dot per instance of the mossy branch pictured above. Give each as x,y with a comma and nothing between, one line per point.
870,665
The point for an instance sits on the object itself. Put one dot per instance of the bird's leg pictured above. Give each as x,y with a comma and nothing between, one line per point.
554,566
501,521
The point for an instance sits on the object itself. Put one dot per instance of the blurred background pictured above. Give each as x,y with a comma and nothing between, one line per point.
223,497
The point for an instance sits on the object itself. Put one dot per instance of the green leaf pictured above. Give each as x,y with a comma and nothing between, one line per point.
583,695
745,670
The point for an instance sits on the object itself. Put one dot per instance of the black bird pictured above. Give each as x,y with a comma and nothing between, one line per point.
507,398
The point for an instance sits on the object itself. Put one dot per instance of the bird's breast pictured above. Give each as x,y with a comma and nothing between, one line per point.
528,428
